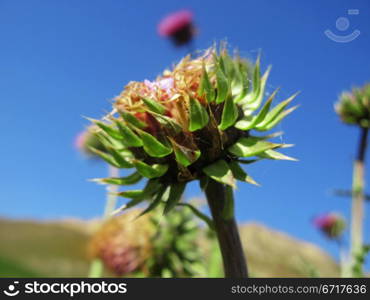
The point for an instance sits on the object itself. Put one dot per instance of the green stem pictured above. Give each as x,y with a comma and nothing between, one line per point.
343,259
96,266
358,195
220,202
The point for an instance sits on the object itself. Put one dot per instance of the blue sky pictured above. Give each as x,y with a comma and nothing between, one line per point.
61,60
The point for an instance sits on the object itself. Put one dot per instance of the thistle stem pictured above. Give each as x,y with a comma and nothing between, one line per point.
357,214
96,266
226,229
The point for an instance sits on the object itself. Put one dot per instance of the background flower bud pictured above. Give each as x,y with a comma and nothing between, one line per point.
123,243
87,140
178,26
354,107
332,225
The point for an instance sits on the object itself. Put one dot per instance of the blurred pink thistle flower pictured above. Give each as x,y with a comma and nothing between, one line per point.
178,26
80,140
331,225
87,139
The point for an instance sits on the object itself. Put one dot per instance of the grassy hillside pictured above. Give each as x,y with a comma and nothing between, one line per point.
58,249
30,248
274,254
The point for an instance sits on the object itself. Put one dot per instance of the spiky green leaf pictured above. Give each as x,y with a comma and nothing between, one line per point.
277,120
220,171
170,124
240,174
184,155
259,93
109,142
120,159
126,153
240,86
128,205
271,154
133,194
108,158
152,186
127,180
248,122
176,191
253,99
107,128
276,112
198,115
162,195
154,106
153,171
256,82
205,87
222,86
247,147
229,114
131,119
229,67
154,147
115,160
129,138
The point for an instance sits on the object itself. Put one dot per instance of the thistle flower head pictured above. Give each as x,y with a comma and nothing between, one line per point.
178,26
331,225
192,123
122,243
354,107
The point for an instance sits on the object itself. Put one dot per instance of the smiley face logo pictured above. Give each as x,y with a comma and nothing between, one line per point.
11,292
342,24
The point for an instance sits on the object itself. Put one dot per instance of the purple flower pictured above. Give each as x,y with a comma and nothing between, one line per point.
332,225
178,26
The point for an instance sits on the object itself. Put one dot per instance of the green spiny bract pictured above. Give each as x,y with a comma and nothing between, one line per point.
354,107
192,123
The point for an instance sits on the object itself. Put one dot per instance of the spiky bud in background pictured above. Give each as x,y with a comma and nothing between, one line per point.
87,142
176,252
354,107
332,225
178,26
192,123
123,243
